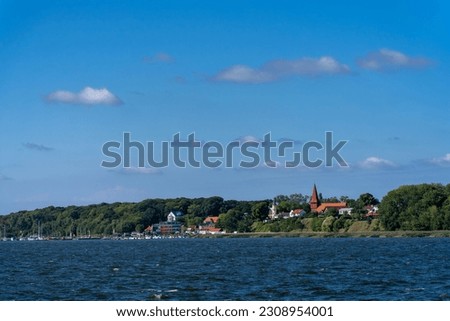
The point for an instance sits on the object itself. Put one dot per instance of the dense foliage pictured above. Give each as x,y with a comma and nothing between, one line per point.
417,208
107,219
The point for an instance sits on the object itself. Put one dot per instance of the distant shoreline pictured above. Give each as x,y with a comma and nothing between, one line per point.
372,234
292,234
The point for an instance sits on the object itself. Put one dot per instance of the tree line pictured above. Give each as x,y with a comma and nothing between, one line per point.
119,218
420,207
412,207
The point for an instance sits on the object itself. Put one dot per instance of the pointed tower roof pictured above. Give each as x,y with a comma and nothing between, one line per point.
314,197
314,202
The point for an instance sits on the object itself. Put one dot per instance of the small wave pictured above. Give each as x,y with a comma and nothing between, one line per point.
414,289
444,297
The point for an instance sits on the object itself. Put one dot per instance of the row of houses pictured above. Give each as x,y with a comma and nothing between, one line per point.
209,224
172,226
319,208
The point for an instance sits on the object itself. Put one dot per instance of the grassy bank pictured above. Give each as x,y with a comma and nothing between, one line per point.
380,234
328,227
374,234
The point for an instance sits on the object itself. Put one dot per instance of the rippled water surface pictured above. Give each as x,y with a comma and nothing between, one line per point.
227,269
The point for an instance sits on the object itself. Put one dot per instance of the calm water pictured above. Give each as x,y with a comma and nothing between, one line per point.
227,269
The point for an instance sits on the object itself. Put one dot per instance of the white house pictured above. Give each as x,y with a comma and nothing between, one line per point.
345,210
297,213
171,217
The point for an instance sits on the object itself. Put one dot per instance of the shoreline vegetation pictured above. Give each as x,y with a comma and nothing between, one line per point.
409,211
361,234
356,230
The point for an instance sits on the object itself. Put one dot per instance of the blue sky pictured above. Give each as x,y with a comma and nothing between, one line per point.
76,74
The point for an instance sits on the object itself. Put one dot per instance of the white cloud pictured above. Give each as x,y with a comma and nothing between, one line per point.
376,163
140,170
307,66
277,69
387,59
291,140
159,57
87,96
248,138
244,74
38,147
441,161
262,166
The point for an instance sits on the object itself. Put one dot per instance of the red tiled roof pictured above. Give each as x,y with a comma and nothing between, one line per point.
324,206
210,229
211,219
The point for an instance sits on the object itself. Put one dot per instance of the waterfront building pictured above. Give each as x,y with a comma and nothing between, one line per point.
171,226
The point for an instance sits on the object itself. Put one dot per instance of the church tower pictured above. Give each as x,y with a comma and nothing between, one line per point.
314,202
273,210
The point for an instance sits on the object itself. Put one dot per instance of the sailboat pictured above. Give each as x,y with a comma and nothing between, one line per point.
37,237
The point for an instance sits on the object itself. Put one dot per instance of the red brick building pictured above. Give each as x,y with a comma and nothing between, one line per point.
318,207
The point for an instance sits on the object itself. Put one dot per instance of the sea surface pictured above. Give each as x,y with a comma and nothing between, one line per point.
227,269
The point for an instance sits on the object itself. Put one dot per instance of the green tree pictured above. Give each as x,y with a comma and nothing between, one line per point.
368,199
260,211
229,221
415,207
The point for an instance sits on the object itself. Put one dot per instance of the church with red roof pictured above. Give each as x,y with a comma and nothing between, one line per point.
318,207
